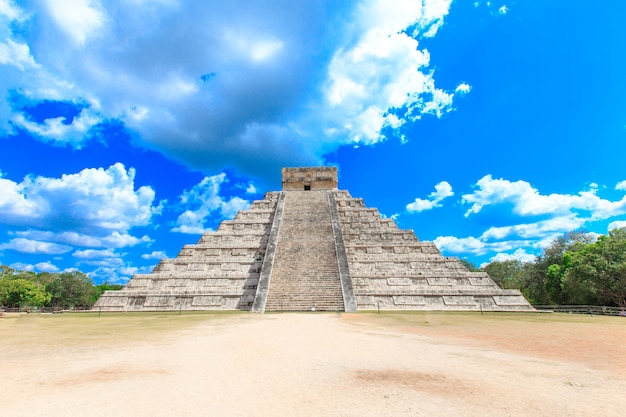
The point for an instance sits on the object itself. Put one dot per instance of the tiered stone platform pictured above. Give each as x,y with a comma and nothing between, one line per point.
311,247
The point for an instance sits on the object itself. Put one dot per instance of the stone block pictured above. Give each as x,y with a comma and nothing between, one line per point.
409,300
399,281
509,300
459,300
207,300
438,281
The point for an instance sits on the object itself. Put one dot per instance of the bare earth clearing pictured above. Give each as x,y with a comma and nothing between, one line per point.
411,364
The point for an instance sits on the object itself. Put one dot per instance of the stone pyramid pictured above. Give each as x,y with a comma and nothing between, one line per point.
311,247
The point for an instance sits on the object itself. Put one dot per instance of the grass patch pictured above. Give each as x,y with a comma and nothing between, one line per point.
81,329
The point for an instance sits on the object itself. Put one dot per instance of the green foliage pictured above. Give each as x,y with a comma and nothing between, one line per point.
63,290
542,281
597,271
20,292
70,290
545,281
507,274
573,269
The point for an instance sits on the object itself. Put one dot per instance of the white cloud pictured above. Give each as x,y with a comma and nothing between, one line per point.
527,201
251,189
35,247
79,19
93,254
10,10
46,267
254,87
460,245
154,255
442,191
545,228
16,54
118,274
478,246
113,240
121,240
518,255
202,201
95,201
621,185
250,46
535,219
618,224
20,266
57,130
231,207
95,208
383,71
463,89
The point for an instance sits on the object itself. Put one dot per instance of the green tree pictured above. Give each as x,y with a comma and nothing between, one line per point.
544,281
20,292
597,271
507,274
6,271
70,290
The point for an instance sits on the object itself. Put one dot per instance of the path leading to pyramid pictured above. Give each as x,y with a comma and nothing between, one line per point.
305,275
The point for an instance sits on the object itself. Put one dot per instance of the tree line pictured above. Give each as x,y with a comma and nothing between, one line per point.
64,290
576,268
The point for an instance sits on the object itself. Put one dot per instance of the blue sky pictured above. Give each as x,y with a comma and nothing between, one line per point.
129,127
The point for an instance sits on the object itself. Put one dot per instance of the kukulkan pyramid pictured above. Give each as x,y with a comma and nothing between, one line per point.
311,247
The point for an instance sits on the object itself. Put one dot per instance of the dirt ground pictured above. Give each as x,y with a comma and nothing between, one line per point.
410,364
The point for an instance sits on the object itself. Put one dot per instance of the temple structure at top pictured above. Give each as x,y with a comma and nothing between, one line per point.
311,247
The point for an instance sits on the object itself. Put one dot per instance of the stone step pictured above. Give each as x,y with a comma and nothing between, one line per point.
305,274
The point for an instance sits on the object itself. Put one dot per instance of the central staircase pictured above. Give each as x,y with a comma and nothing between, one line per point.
305,275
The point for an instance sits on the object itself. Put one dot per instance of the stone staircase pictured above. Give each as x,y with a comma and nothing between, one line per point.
305,276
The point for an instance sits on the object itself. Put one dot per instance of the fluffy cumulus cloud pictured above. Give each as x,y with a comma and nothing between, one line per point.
212,84
46,267
385,71
93,201
527,200
442,190
92,208
203,201
534,218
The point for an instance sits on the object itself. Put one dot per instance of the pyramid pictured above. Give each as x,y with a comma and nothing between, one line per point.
311,247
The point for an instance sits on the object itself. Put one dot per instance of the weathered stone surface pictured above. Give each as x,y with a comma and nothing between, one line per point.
311,247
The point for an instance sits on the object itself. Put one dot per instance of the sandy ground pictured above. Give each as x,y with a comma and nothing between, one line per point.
314,365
